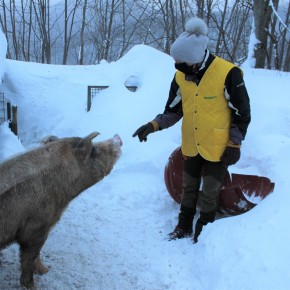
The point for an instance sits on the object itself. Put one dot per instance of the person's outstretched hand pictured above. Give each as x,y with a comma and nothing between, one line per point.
144,131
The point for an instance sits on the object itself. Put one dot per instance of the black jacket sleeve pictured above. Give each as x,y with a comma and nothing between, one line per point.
239,103
173,108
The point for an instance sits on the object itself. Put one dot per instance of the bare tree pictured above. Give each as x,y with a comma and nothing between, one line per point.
220,23
69,21
42,14
284,60
272,51
12,12
200,8
173,14
25,15
135,25
4,25
82,42
279,36
285,46
262,18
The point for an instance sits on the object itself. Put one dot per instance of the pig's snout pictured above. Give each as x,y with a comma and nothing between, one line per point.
117,140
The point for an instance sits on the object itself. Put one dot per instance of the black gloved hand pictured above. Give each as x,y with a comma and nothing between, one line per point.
231,154
144,131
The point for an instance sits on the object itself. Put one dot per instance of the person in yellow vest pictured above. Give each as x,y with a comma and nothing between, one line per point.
208,93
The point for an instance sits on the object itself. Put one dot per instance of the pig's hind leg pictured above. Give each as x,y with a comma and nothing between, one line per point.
29,252
39,267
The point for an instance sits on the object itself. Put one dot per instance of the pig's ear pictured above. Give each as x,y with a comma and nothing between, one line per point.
88,139
91,136
84,145
49,139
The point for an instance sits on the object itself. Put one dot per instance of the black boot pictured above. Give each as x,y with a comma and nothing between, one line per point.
184,227
204,219
185,217
179,233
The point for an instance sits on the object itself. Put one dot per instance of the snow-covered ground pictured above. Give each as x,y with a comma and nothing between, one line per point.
113,236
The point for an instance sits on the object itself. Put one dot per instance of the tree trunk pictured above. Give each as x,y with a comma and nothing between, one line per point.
262,17
65,42
82,44
284,63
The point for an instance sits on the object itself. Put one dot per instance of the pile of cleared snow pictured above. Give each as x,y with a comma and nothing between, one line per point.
10,144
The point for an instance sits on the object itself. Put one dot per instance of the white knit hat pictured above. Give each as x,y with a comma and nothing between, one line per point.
190,46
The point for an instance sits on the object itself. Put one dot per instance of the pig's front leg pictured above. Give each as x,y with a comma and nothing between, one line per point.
28,257
29,253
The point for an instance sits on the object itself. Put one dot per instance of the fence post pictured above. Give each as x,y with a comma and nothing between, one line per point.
13,125
9,111
89,101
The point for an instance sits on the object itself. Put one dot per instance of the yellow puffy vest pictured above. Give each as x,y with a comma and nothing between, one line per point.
206,115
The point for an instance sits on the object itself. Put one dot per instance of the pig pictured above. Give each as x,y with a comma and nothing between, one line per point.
37,186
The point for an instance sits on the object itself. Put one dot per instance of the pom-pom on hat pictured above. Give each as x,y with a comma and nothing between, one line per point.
190,46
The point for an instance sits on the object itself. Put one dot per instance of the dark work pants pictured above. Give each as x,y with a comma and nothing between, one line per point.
213,174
